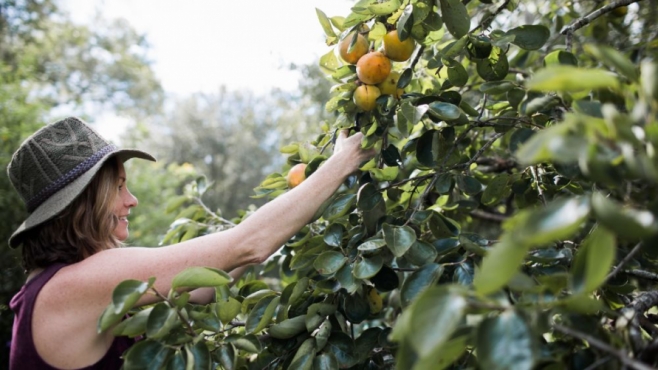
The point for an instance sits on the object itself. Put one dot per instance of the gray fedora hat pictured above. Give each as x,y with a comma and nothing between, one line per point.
54,165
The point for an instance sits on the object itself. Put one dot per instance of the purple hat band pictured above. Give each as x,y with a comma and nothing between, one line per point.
68,177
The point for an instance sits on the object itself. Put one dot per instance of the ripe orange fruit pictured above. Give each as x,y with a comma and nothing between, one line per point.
364,97
397,50
373,68
390,85
359,50
296,175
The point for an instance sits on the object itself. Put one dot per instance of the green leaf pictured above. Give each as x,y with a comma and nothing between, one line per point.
146,354
398,238
445,111
368,267
627,222
455,17
333,236
288,328
199,277
227,311
329,262
325,361
127,293
227,356
198,356
594,260
326,24
496,87
505,342
495,67
341,347
418,281
497,189
261,315
339,207
421,253
530,37
161,320
559,220
303,359
329,62
560,57
571,79
457,74
384,174
435,316
443,356
134,325
248,343
613,59
175,203
405,23
346,279
499,266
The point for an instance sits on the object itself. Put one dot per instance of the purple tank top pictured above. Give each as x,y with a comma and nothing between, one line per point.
23,354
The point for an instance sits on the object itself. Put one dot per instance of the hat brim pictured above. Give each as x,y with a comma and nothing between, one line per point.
56,203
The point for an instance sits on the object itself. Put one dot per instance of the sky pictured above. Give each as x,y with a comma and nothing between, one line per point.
200,45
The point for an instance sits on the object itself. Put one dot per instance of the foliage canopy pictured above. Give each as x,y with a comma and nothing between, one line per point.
508,222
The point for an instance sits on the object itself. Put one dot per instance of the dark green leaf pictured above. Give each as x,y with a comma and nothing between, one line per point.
303,359
161,320
339,207
341,347
368,267
560,57
288,328
530,37
505,342
333,236
146,354
329,262
398,238
127,293
198,356
227,356
325,361
421,253
594,260
260,316
418,281
386,279
405,23
455,17
248,343
497,189
445,111
495,67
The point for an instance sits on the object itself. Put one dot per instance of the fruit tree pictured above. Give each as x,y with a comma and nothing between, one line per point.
507,222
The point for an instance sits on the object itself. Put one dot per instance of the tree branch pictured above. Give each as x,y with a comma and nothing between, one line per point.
642,274
490,18
488,216
621,264
594,342
584,21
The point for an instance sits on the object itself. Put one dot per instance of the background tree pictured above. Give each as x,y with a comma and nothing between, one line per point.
49,65
508,221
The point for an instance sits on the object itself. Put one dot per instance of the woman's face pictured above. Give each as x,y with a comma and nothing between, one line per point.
124,202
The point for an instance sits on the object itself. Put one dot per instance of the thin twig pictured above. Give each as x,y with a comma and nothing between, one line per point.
213,214
478,213
642,274
594,342
621,264
492,16
583,21
599,362
479,152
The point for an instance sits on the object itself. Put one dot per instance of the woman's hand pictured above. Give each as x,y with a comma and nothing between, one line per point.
349,151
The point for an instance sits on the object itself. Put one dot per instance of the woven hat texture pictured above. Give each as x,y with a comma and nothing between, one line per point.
54,165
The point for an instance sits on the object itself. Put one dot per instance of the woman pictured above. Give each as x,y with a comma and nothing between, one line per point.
75,188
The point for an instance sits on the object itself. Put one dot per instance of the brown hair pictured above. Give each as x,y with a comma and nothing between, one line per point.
83,228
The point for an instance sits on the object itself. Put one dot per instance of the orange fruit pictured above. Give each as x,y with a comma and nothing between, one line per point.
373,68
390,85
397,50
359,50
364,97
296,175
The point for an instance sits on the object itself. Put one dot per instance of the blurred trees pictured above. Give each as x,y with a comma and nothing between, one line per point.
50,65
